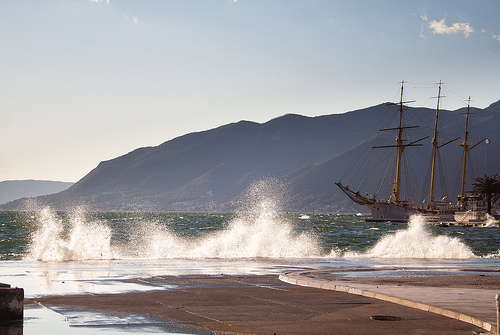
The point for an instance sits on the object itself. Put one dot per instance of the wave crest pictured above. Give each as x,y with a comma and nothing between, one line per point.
417,242
85,240
260,231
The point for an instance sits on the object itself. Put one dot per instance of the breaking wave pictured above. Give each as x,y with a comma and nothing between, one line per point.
261,233
257,231
417,242
260,230
264,234
85,240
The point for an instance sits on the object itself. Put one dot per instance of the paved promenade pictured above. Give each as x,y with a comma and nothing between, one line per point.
259,305
466,297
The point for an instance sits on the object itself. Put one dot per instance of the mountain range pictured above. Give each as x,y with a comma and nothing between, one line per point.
15,189
212,170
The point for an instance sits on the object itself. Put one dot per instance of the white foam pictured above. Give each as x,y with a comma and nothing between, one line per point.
491,222
261,233
258,231
417,242
495,254
85,240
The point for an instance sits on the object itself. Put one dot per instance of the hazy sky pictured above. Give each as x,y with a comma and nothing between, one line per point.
84,81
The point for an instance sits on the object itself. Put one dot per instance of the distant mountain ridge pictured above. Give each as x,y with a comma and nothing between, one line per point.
210,170
15,189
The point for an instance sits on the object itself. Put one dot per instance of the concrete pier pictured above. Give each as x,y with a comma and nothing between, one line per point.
473,305
11,304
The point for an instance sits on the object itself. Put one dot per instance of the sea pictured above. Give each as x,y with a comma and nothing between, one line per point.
41,249
50,252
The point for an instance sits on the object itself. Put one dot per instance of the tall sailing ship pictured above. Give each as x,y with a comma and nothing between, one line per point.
399,210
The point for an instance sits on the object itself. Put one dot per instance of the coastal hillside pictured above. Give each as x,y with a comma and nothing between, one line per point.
15,189
210,170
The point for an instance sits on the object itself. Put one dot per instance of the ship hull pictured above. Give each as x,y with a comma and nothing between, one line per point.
401,212
388,211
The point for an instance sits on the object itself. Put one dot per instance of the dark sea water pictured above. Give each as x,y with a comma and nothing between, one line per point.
339,234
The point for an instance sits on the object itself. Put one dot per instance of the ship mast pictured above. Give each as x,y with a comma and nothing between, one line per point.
465,145
400,145
434,147
399,142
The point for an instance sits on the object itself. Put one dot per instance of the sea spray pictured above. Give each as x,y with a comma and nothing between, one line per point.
495,254
258,229
84,240
259,232
417,242
491,222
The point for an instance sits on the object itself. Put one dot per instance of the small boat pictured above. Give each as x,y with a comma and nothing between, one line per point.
470,217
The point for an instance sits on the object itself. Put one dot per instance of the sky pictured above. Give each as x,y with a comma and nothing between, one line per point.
85,81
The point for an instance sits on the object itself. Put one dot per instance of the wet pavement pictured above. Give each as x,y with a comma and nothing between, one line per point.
39,319
256,305
111,276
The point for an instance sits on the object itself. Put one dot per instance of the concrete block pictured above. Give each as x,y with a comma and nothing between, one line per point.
11,304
